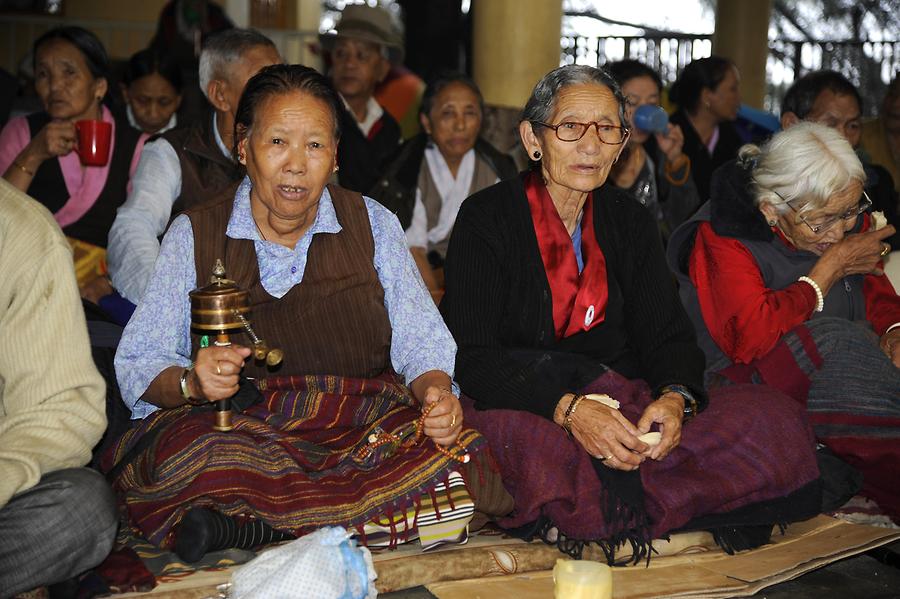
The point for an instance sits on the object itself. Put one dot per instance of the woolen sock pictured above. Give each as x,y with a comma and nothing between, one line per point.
203,530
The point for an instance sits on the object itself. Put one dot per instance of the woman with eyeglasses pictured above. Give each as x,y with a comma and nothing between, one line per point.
557,289
782,272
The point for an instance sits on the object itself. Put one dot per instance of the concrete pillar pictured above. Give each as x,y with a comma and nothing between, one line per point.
515,43
742,34
238,11
306,15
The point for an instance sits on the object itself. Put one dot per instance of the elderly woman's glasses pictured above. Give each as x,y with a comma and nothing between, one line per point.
820,226
570,131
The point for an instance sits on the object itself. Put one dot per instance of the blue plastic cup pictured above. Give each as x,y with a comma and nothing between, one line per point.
651,118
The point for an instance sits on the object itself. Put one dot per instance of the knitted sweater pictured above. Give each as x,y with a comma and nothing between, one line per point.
499,307
52,399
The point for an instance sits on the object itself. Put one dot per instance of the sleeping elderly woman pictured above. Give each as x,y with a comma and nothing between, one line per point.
336,438
557,289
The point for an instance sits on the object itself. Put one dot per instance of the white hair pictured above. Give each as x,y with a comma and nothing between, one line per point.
226,48
807,162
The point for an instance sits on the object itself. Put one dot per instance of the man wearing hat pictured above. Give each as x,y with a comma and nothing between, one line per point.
364,45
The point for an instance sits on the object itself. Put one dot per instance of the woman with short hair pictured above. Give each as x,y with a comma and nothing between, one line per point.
557,288
438,169
781,272
653,167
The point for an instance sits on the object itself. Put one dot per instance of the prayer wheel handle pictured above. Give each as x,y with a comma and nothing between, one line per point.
221,307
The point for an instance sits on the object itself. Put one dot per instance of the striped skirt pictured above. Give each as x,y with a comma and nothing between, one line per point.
851,392
297,461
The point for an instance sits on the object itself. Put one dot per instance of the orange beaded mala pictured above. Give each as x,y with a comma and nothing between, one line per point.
377,440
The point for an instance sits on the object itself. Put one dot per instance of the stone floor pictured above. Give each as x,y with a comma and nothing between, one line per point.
869,576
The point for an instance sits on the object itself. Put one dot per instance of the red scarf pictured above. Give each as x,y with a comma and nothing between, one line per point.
579,300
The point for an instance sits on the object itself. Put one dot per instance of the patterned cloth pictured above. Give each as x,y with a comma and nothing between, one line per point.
294,460
746,447
851,392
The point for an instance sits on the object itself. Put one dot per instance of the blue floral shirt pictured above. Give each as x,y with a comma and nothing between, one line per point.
158,335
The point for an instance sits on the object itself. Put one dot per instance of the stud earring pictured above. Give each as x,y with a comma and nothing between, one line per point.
536,154
772,222
336,168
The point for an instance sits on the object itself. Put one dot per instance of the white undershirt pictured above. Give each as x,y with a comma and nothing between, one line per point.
373,113
453,192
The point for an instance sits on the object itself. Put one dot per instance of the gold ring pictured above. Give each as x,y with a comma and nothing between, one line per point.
453,421
885,250
218,368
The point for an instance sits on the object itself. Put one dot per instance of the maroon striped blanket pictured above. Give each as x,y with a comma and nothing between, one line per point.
292,460
751,445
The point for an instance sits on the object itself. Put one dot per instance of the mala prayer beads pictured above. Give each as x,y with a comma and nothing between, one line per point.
377,440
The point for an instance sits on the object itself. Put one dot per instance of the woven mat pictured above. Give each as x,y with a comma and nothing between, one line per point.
702,572
495,567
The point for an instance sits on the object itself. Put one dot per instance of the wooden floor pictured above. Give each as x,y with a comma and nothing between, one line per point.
860,577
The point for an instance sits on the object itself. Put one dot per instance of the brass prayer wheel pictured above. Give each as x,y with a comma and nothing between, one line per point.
222,307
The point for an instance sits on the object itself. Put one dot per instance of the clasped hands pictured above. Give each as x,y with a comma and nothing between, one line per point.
608,435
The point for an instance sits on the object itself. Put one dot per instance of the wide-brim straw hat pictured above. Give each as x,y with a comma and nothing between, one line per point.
370,24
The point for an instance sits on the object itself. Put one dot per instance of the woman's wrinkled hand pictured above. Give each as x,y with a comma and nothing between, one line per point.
57,138
668,412
445,420
671,142
890,345
607,435
217,371
860,253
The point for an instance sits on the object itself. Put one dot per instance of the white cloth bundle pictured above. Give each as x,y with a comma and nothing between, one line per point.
326,564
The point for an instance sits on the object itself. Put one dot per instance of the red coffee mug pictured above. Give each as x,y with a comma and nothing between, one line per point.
93,142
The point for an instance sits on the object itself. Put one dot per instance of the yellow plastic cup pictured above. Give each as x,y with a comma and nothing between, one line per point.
581,580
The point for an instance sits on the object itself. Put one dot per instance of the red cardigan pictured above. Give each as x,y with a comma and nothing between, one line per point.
744,317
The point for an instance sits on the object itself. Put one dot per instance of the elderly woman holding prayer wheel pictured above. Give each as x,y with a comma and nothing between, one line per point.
558,295
781,272
75,157
360,425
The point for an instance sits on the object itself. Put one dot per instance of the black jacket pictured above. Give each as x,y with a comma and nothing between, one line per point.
702,164
360,158
499,307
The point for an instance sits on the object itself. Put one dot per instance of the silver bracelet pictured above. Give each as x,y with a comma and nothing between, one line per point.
820,299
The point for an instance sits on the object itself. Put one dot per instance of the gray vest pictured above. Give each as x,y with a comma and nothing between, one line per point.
779,266
483,176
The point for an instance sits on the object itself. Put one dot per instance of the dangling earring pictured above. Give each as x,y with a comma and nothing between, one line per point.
536,154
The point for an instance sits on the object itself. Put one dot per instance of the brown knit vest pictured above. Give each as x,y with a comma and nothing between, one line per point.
334,321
